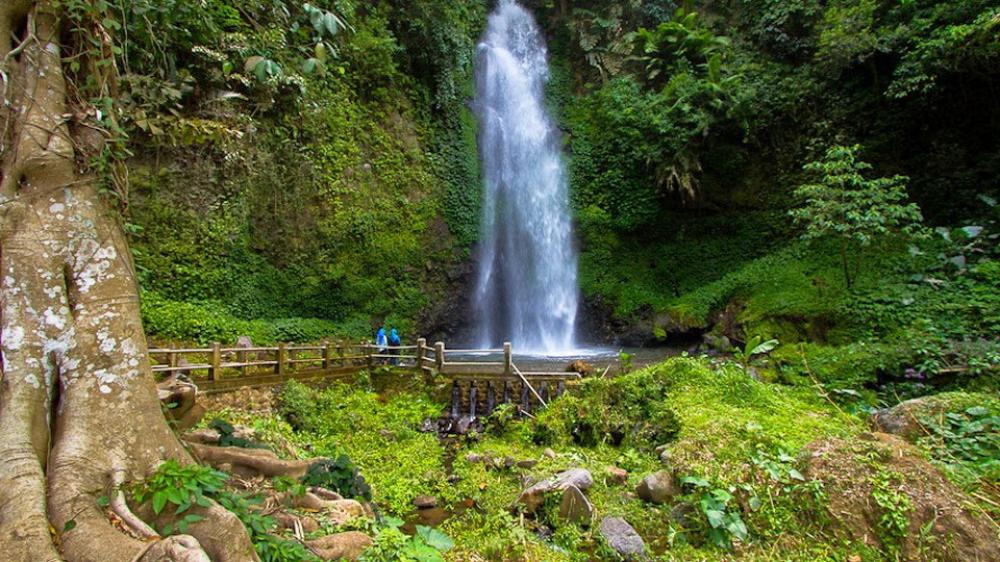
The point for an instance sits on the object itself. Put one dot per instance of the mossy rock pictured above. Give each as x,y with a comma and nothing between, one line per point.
907,419
881,490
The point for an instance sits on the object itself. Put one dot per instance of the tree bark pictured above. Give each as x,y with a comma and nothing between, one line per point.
78,405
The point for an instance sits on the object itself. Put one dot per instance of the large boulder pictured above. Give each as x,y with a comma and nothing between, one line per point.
906,418
532,497
623,539
659,487
941,520
575,507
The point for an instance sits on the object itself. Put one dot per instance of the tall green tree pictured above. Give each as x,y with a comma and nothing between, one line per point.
843,204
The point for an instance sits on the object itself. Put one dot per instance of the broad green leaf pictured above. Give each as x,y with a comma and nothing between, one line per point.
716,518
435,538
764,347
251,63
159,501
331,23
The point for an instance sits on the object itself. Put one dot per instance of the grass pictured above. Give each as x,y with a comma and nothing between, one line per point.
725,418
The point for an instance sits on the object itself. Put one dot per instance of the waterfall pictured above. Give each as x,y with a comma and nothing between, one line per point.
526,290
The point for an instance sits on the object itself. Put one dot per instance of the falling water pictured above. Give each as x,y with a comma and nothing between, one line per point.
526,291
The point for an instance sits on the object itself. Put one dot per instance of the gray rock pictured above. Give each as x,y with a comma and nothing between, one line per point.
527,463
473,458
724,345
425,502
532,497
621,537
575,507
549,453
685,515
463,425
665,456
658,487
244,341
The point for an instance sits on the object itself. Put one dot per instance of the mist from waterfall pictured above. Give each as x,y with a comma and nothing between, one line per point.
526,290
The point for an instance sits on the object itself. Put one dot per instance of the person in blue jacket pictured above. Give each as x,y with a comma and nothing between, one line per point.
394,341
380,341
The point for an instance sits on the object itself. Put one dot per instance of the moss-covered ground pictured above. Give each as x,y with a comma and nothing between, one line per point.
728,438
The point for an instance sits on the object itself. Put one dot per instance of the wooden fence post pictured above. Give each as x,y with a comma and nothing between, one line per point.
242,357
213,371
368,356
326,354
507,354
340,353
439,355
421,346
282,354
172,359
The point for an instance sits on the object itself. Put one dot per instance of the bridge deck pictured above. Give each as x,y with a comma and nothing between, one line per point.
219,369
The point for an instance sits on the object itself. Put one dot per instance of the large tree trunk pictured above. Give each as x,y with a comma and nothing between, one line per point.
79,413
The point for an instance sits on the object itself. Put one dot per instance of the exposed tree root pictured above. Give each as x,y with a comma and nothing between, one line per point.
249,462
180,398
122,510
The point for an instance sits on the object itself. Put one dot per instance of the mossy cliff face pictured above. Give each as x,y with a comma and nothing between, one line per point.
348,196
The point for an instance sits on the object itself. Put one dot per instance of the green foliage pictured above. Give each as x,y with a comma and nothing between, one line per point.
724,522
208,322
679,45
846,205
631,410
966,442
269,547
894,522
783,27
755,345
180,488
342,420
392,545
228,439
339,475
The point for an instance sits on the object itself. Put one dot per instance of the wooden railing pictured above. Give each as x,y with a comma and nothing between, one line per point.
264,365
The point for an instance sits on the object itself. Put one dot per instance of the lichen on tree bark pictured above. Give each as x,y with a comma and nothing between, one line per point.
79,412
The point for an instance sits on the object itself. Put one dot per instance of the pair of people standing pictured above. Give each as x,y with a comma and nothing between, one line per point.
382,343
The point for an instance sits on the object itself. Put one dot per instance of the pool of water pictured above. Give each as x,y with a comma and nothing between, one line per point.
600,358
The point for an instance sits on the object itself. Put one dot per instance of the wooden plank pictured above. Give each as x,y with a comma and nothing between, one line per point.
169,369
525,381
248,364
216,360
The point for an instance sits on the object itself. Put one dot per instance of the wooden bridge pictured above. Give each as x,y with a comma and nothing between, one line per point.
218,368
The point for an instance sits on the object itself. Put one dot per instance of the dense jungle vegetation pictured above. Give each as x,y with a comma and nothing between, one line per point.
298,171
803,193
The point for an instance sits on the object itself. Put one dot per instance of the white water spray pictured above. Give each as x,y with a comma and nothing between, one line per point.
526,291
